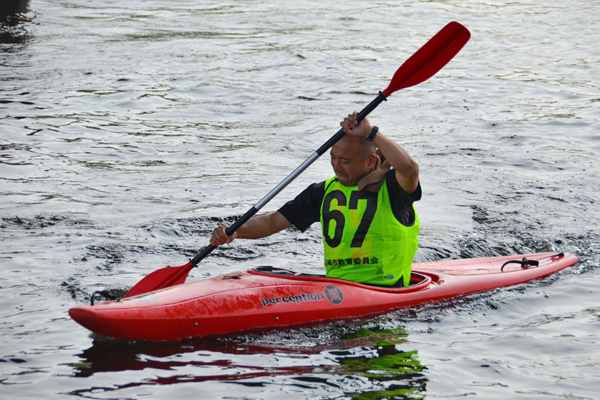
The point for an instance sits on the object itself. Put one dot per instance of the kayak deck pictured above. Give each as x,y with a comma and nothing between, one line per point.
271,297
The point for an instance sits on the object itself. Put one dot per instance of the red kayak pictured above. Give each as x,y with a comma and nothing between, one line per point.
267,297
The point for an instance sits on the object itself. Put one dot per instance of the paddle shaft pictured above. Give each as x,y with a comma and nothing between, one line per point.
284,183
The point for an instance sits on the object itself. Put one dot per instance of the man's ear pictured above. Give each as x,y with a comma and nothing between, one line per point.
372,161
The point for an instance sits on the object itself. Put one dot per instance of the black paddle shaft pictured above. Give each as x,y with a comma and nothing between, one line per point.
283,184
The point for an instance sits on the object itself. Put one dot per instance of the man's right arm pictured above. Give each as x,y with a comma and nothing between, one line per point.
254,228
301,212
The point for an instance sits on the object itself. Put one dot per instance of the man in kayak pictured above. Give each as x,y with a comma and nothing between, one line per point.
368,219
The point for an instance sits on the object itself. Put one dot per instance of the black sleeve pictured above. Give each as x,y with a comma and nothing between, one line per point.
305,209
401,201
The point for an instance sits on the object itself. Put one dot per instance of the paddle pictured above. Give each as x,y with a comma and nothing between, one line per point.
422,65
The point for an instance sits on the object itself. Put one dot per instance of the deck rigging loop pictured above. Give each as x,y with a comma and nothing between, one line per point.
525,263
108,295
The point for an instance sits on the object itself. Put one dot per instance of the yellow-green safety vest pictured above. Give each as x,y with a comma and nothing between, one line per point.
364,242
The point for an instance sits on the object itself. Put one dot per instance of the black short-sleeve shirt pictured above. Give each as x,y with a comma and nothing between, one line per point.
305,209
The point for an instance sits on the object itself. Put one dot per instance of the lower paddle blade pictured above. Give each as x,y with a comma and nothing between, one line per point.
161,278
430,58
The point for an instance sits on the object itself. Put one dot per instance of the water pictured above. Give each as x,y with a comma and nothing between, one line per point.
129,130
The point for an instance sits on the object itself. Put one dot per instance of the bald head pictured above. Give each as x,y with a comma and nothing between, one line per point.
364,148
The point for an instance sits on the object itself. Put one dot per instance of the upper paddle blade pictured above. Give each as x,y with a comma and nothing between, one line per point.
430,58
161,278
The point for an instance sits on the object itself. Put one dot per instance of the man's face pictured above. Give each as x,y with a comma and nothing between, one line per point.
349,162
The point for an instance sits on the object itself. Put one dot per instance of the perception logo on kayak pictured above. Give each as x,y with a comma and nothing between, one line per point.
332,293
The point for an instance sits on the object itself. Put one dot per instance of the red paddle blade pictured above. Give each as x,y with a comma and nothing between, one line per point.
161,278
430,58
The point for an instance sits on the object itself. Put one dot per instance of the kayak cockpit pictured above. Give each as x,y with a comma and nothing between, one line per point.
417,280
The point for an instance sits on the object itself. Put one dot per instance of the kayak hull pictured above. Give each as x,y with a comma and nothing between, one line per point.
245,300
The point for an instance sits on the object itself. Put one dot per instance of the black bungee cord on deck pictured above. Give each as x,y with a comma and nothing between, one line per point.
525,263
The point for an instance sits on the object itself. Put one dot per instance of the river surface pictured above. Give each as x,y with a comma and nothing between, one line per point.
129,130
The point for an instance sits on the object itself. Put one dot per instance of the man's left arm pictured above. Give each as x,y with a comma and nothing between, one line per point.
407,169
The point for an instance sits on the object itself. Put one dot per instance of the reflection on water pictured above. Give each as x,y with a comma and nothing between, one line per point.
12,17
362,362
11,10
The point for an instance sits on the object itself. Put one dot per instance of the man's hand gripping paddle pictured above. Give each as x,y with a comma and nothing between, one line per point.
425,63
